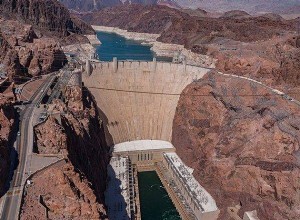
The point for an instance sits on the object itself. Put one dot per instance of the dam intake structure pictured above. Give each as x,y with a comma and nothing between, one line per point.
138,99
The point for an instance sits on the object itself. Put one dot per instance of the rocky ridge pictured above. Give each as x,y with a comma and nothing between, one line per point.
76,189
26,55
31,35
94,5
48,16
242,141
61,192
215,6
31,32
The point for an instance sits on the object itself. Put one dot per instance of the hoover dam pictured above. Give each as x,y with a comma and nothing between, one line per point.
138,99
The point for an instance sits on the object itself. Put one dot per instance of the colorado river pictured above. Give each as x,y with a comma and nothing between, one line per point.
154,199
113,45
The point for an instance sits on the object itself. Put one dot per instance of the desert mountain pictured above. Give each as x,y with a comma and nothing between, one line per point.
291,7
93,5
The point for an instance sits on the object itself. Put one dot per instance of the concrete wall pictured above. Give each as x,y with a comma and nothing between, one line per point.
200,214
138,99
144,157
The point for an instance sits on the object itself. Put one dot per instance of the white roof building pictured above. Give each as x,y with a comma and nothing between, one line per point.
142,145
201,198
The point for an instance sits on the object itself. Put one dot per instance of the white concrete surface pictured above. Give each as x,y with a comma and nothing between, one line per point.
201,196
142,145
139,99
117,193
251,215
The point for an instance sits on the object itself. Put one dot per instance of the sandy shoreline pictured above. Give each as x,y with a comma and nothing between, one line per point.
83,51
145,37
159,48
93,39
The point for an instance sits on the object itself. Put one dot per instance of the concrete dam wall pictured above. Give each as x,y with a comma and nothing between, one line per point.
138,99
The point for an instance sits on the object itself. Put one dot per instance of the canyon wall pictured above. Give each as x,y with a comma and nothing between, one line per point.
137,100
31,33
24,54
242,140
48,16
178,27
74,190
6,136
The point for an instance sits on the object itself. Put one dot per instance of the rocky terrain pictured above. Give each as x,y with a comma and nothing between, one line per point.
178,27
251,6
6,126
74,190
31,35
94,5
242,141
60,192
290,7
48,16
26,55
264,47
56,142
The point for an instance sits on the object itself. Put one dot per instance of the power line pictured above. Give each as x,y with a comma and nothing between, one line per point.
86,88
182,94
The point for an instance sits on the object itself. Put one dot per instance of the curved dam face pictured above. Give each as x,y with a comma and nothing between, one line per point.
138,99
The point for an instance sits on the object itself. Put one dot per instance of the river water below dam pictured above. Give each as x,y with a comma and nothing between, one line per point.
154,199
113,45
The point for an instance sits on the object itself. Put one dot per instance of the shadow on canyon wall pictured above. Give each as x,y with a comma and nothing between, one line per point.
13,161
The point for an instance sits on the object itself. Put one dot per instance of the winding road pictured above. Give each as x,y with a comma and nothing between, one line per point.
12,199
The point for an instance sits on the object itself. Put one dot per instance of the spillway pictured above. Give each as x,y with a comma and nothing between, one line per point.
138,100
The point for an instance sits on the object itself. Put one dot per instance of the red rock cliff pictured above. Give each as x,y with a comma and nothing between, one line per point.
26,55
47,15
243,142
79,136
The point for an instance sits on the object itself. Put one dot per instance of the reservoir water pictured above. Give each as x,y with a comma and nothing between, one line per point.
114,45
154,199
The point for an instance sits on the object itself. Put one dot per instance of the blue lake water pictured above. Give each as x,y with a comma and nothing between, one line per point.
114,45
